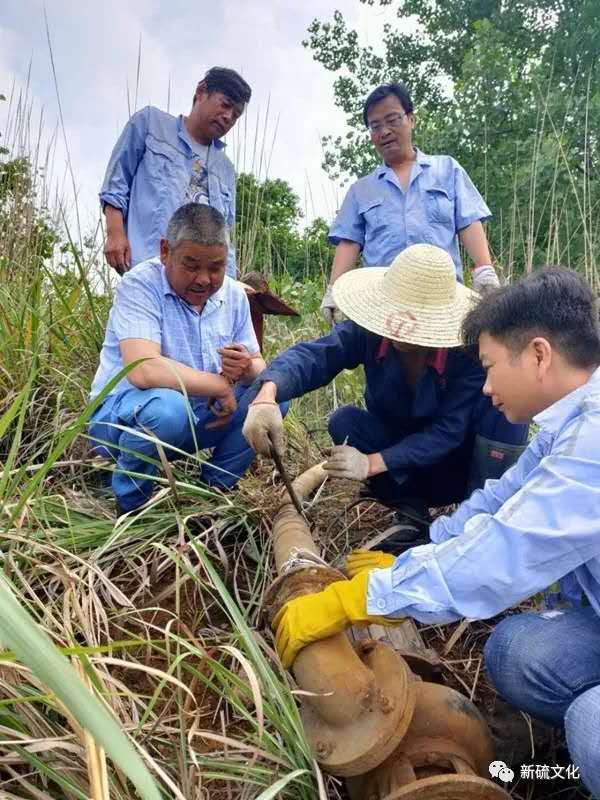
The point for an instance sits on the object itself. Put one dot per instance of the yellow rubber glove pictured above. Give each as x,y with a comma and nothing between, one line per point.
312,617
361,560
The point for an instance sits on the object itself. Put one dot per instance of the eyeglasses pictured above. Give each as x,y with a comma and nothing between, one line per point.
391,121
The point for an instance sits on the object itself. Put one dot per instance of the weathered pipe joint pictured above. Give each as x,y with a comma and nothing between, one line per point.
444,755
360,700
366,716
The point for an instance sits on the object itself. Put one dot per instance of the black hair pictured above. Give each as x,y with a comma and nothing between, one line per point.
554,302
227,81
399,90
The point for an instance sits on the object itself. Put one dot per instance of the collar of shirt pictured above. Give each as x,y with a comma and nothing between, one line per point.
436,359
212,304
421,160
556,416
183,133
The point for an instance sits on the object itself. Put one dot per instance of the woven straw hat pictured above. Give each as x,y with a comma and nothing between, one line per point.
416,300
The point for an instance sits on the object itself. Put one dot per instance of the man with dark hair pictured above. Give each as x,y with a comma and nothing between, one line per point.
188,325
410,198
539,523
161,161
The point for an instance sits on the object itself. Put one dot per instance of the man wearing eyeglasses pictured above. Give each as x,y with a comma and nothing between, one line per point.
410,198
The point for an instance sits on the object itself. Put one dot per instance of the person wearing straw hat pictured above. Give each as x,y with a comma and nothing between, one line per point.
411,197
427,436
539,341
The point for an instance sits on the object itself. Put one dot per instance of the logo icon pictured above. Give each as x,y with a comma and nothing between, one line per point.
498,769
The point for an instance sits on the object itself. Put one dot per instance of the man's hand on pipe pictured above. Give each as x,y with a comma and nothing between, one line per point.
263,428
366,560
347,462
310,618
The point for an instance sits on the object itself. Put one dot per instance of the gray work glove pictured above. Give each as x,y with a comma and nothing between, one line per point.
347,462
263,428
485,279
329,309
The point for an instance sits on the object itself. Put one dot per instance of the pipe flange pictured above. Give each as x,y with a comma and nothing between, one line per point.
447,787
446,720
362,745
298,581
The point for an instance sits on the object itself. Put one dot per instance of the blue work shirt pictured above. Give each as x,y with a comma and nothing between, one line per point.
538,524
431,420
148,176
384,219
146,307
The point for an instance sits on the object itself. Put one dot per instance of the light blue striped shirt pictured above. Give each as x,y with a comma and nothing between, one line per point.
146,307
538,524
148,179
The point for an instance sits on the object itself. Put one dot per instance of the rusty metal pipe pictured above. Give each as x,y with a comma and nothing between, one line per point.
361,701
445,754
443,743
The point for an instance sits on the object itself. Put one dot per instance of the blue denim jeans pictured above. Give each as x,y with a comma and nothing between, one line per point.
165,414
548,665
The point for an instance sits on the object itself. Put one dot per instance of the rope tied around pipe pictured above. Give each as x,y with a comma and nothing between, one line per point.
300,557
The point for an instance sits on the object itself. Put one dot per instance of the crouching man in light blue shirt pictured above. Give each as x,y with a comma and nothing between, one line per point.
190,324
540,523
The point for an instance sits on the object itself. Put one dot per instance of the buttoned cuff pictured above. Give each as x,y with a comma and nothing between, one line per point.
379,590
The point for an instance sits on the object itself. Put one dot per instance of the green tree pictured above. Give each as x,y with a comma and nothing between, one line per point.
268,235
510,89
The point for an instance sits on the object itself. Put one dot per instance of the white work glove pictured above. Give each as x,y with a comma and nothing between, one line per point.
329,309
347,462
263,428
485,279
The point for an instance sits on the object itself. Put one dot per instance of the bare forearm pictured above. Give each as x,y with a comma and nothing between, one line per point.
475,243
346,256
165,373
267,393
257,365
376,464
114,219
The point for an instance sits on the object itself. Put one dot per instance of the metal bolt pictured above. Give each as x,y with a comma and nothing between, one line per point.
367,646
323,749
386,704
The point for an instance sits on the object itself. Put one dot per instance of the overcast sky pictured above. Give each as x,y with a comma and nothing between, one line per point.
95,49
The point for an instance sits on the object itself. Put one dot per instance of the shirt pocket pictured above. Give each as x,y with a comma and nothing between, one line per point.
161,159
439,206
372,211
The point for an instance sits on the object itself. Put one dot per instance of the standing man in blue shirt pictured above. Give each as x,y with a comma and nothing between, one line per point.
161,162
539,342
190,326
410,198
427,436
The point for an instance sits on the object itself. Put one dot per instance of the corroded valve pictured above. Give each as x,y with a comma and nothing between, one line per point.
366,716
360,700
